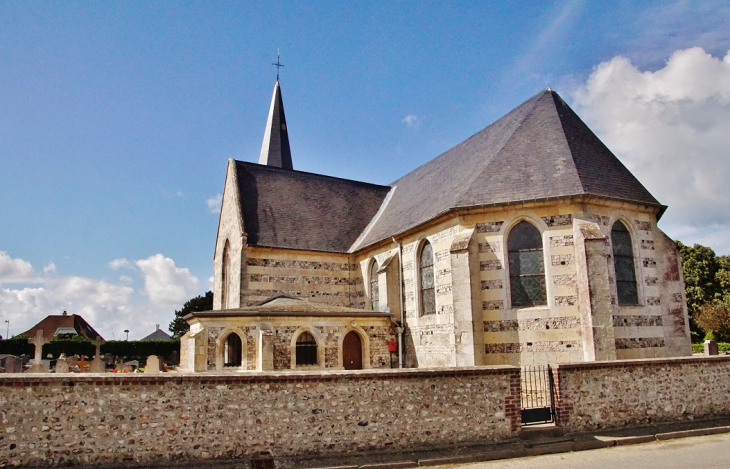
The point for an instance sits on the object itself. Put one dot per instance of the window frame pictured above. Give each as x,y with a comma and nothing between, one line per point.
634,301
514,278
420,268
374,286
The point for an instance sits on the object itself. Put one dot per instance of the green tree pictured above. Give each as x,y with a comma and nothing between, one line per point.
178,327
707,286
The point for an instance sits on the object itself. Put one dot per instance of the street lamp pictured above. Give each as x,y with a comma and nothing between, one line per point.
7,333
127,332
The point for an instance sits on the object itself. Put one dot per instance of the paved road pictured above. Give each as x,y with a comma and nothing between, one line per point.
706,452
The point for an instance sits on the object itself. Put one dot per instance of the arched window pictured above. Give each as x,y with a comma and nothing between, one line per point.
225,275
232,350
526,265
623,262
374,288
306,349
428,292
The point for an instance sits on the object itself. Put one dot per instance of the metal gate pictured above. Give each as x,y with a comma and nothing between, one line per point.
537,398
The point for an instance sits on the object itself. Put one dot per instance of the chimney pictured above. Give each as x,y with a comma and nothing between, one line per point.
65,313
157,326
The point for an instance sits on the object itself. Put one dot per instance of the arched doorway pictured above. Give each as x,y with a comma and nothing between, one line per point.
352,351
232,351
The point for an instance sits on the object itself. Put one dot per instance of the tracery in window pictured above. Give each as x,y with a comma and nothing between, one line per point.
526,265
623,261
374,288
428,291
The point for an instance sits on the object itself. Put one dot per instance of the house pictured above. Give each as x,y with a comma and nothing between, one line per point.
527,243
159,334
63,325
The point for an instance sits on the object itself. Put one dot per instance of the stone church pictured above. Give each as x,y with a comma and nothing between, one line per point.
527,243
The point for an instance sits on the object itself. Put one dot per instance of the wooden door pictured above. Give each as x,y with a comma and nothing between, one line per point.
352,351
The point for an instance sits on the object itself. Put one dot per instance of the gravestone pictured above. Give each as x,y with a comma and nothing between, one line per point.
108,359
38,342
62,364
12,364
711,348
174,358
98,365
153,364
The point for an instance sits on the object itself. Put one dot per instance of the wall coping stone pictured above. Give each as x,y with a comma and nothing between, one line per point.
640,363
134,379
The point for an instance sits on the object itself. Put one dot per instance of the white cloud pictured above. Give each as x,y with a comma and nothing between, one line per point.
110,307
412,120
670,127
15,270
214,203
119,263
50,268
165,284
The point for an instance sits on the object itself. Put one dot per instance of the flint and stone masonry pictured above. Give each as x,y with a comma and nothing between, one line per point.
115,419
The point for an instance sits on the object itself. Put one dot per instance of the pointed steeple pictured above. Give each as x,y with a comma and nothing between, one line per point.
275,150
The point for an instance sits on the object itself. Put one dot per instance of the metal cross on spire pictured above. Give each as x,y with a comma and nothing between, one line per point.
278,64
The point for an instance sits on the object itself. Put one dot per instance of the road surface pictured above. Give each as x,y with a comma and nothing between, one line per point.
705,452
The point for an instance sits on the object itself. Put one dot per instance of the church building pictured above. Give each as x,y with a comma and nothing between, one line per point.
528,243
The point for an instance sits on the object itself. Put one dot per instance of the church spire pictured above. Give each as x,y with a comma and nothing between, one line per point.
275,150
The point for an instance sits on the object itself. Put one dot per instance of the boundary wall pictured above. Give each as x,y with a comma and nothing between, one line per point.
630,393
114,419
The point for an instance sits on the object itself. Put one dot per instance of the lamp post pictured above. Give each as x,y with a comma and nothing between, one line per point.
127,332
7,333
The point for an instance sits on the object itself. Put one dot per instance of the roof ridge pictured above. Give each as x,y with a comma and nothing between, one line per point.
557,97
478,174
264,167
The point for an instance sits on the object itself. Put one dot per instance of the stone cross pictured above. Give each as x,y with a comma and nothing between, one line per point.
39,342
98,343
98,365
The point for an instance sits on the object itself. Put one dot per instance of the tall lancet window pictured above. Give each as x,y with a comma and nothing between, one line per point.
526,266
428,291
374,289
623,261
225,276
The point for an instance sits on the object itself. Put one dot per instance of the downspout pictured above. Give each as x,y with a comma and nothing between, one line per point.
400,330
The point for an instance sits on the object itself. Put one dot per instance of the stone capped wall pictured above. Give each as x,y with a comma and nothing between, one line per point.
102,419
619,394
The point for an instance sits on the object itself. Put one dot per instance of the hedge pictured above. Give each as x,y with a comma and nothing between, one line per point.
135,349
700,348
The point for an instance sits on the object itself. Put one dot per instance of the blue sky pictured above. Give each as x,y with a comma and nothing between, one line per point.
117,120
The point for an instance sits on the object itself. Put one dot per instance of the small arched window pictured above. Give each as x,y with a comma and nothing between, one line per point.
232,350
306,349
428,291
374,288
526,266
225,275
623,262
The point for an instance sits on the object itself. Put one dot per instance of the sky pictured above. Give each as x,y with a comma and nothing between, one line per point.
117,120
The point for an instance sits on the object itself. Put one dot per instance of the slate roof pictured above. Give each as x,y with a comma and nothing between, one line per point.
159,334
53,322
298,210
539,150
275,150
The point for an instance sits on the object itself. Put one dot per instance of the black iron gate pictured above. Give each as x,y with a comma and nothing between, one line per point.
537,398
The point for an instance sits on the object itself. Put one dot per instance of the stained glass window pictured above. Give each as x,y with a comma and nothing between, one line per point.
374,289
623,261
306,349
526,265
428,292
